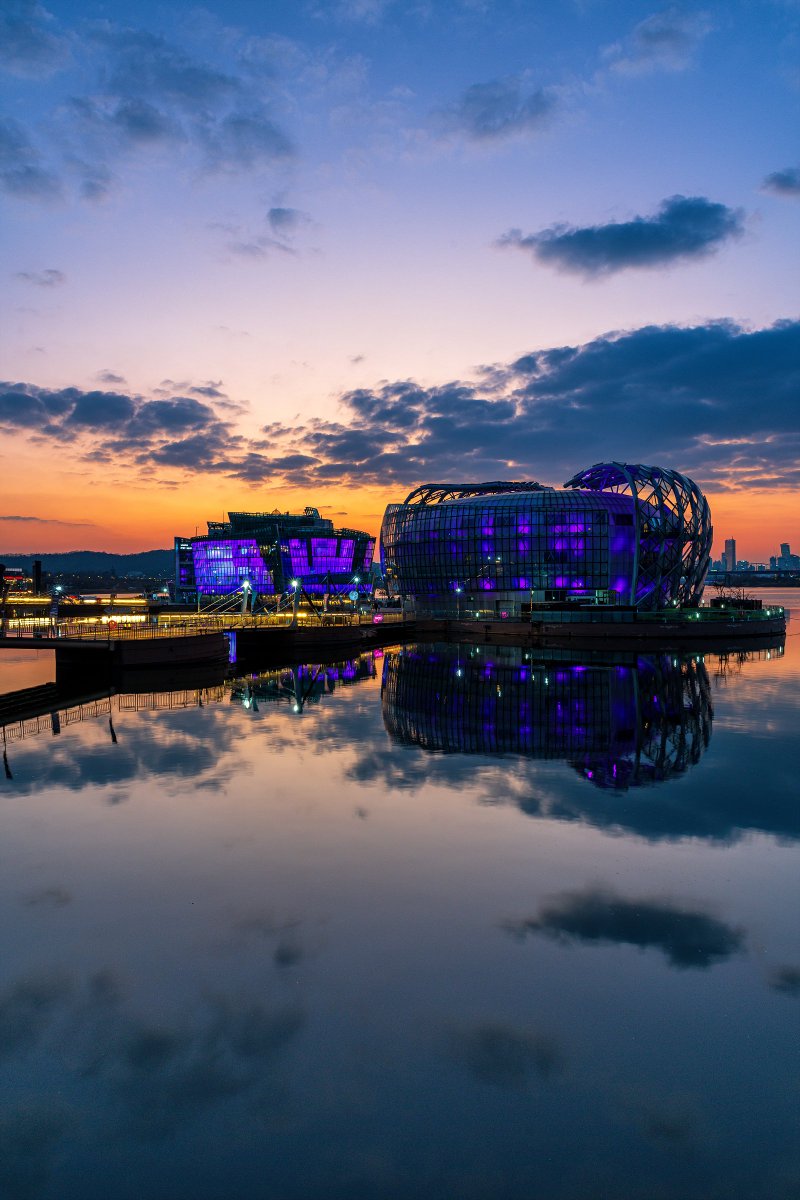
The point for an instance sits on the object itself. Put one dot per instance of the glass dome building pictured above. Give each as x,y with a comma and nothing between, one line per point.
617,533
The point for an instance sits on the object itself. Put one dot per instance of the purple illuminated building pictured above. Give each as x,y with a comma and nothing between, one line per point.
267,551
616,534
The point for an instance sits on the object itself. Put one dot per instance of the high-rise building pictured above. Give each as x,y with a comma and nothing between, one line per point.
785,551
730,554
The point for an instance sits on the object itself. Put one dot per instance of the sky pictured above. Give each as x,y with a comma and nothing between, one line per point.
274,253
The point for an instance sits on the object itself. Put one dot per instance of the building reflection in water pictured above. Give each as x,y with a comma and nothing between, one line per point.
620,724
300,685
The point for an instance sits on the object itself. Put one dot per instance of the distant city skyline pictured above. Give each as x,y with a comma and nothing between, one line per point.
320,251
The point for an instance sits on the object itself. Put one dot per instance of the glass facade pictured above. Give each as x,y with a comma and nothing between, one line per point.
269,551
634,535
223,566
540,545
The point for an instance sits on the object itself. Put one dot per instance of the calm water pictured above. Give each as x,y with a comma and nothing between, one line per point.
435,923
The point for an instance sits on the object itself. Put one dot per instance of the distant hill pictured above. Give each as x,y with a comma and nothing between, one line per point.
97,562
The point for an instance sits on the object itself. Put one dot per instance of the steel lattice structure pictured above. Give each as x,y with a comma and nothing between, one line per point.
437,493
673,531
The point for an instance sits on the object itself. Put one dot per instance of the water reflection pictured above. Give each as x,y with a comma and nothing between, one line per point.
291,937
302,684
686,937
620,724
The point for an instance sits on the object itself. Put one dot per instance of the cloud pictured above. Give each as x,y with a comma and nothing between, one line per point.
506,1057
152,1076
786,979
720,401
165,1075
51,521
100,410
783,183
49,897
29,1138
686,937
21,170
684,228
664,41
109,377
501,108
26,1008
369,12
49,278
210,390
285,221
30,44
156,91
139,93
245,141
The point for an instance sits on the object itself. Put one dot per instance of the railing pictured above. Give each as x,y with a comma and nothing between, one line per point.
190,626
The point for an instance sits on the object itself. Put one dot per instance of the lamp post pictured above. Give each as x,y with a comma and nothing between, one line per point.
295,586
458,602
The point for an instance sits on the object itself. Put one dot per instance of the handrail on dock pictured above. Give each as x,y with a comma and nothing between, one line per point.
186,626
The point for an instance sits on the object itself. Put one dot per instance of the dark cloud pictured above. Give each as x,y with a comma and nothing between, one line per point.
664,41
686,937
138,121
109,377
156,1075
166,1075
49,278
51,521
288,953
30,42
21,171
720,401
49,897
26,406
616,396
786,979
245,141
100,410
783,183
29,1138
506,1057
501,108
210,390
285,221
139,93
26,1008
672,1123
157,91
174,752
684,228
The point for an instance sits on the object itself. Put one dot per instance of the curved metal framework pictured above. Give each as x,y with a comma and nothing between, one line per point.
437,493
673,531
